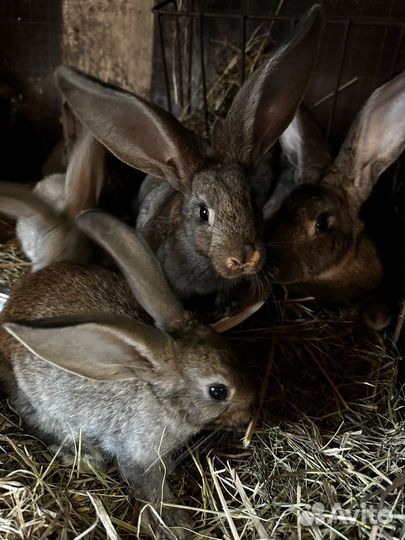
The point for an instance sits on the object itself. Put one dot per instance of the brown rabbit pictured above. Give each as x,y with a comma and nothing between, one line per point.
200,221
317,238
83,357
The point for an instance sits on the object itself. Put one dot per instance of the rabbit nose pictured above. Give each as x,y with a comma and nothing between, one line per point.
250,258
254,258
233,263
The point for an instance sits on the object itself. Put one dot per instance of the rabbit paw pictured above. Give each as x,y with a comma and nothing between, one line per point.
89,457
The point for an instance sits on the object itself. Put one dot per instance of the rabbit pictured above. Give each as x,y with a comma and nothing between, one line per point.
119,361
200,220
316,236
47,232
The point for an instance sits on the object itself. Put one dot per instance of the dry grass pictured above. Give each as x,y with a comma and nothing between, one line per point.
331,432
13,263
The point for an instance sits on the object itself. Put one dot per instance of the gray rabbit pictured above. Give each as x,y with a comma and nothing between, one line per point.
134,374
316,238
45,223
200,221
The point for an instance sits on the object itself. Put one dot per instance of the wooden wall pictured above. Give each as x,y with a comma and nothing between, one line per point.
110,39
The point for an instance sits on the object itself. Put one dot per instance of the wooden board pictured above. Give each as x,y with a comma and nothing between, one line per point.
111,40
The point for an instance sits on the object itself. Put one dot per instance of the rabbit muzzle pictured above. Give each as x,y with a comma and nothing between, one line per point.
244,261
237,417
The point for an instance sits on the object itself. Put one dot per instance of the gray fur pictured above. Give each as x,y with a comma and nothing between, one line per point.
138,421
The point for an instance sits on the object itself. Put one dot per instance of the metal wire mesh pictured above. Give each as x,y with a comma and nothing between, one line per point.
362,47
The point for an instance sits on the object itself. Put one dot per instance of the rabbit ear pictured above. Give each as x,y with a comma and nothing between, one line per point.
141,134
18,201
96,347
266,103
138,264
85,175
305,148
375,140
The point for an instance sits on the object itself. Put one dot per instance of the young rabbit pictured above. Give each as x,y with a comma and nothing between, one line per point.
317,238
83,359
200,222
46,230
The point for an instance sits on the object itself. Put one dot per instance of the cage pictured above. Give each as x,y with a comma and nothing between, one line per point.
326,456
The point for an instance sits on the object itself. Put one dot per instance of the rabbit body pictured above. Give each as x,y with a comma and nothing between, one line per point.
317,240
81,358
124,419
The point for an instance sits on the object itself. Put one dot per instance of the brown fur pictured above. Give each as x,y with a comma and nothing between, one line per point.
316,238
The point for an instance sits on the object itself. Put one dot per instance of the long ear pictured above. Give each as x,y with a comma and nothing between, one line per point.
85,175
305,148
137,132
104,347
18,201
266,103
138,264
375,140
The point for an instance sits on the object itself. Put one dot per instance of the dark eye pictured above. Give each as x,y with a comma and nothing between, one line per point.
323,222
204,213
219,392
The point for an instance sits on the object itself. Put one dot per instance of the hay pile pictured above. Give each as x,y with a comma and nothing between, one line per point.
327,458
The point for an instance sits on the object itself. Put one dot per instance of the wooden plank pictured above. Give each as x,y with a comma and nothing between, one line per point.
111,40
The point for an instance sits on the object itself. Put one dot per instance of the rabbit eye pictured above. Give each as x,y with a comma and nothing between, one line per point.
219,392
204,213
323,222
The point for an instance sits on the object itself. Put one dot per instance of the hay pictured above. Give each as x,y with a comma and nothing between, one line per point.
12,264
327,455
226,83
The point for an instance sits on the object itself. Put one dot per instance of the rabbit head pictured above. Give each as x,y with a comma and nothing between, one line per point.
316,232
206,215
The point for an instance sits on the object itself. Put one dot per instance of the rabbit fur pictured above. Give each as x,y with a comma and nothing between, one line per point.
199,219
316,237
47,232
82,356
